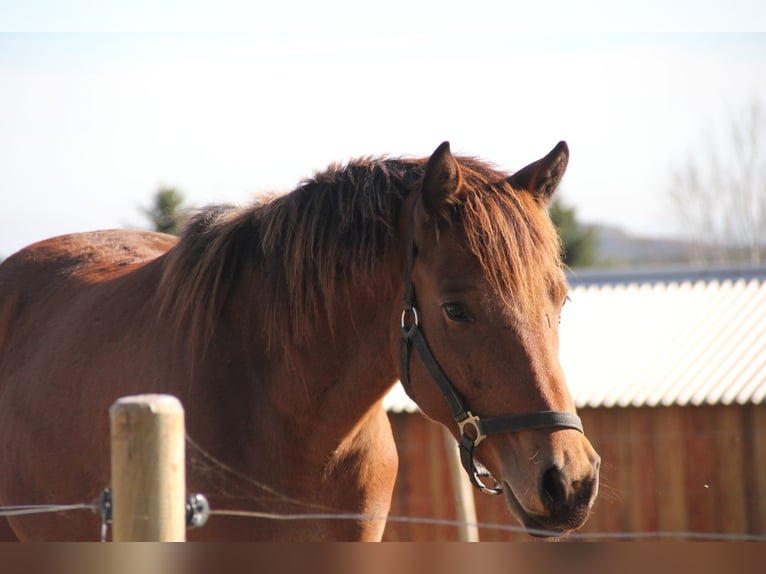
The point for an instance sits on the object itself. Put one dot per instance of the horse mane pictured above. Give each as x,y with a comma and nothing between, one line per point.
311,248
314,247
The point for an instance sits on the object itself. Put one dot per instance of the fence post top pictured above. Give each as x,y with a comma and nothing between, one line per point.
156,403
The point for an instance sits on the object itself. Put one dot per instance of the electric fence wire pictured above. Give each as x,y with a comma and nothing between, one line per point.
24,509
19,510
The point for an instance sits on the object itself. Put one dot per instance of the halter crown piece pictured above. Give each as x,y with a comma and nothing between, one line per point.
473,429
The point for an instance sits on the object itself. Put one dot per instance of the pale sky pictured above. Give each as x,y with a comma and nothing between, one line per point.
91,124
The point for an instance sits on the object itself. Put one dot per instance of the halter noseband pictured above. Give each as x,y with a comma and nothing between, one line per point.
412,336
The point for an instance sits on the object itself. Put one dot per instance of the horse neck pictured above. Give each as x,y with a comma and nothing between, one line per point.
331,380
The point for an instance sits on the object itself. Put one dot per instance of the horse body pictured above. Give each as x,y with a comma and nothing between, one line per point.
276,326
59,379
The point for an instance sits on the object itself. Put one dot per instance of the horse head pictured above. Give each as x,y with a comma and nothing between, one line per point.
483,292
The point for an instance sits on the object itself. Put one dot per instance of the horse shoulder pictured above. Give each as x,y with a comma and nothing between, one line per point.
368,463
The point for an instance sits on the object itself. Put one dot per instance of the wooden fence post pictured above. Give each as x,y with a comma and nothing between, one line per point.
463,490
148,469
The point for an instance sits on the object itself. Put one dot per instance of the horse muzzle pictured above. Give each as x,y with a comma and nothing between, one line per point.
561,499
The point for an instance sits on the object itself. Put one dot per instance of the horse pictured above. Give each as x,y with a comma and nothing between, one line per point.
281,326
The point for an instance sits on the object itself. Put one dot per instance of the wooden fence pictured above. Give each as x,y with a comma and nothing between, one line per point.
664,469
684,470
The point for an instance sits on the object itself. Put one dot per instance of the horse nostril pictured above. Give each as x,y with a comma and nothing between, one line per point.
554,492
585,492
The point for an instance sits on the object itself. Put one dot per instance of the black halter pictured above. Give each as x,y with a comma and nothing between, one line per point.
412,336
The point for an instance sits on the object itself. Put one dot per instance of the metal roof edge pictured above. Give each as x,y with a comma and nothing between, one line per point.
663,274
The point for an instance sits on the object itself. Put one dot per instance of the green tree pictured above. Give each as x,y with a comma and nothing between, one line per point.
167,214
579,242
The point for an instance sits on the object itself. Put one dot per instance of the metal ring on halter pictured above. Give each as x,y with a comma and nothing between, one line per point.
415,316
497,489
472,420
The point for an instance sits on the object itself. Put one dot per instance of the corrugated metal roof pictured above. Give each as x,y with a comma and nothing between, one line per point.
660,337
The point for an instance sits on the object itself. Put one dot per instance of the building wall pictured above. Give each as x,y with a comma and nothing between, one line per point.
664,469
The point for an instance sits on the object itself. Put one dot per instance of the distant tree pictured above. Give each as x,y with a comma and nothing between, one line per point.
579,242
167,214
719,197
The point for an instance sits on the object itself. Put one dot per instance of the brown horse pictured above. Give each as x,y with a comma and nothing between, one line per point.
277,326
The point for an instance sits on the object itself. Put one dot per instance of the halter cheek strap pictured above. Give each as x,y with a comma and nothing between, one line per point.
473,429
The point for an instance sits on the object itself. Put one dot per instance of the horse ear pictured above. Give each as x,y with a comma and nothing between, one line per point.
442,178
543,176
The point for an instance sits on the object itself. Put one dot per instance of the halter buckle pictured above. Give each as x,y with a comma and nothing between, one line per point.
415,317
473,421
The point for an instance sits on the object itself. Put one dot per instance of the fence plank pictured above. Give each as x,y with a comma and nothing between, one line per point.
731,484
668,447
700,464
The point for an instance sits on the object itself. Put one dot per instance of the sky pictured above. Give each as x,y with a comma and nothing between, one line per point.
102,105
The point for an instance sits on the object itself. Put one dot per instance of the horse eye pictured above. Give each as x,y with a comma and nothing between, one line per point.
458,312
566,299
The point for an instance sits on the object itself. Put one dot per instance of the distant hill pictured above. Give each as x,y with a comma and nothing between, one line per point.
617,247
